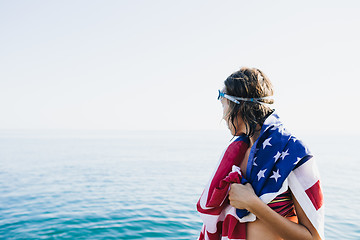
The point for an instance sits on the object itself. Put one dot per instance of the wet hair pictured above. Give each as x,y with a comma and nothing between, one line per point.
249,83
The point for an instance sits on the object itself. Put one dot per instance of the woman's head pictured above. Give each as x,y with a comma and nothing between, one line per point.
245,115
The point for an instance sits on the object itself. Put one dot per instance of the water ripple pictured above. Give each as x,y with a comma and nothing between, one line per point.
105,188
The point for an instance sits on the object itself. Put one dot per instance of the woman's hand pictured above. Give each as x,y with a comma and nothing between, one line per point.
241,196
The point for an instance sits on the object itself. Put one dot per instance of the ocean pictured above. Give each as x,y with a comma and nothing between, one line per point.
140,185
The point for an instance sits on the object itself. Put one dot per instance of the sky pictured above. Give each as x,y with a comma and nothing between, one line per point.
157,65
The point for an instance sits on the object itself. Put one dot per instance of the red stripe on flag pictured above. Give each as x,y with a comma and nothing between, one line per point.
315,195
233,229
233,155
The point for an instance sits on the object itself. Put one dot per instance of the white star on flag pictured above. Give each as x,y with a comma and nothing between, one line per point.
276,175
261,174
297,161
281,130
284,154
266,143
277,156
254,161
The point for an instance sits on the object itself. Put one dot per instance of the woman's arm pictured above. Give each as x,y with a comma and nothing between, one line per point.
243,197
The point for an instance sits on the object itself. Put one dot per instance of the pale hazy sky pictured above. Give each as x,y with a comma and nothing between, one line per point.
158,64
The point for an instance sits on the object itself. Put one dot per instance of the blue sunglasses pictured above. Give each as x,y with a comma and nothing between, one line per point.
235,99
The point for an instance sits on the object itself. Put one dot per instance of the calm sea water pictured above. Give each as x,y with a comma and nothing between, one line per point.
140,185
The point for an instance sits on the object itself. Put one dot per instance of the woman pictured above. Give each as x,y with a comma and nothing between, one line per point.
274,184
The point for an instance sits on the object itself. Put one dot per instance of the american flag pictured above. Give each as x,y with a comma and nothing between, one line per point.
277,161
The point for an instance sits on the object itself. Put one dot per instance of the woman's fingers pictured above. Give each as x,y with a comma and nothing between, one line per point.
240,196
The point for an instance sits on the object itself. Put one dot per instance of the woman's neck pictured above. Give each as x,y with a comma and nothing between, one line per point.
253,140
255,136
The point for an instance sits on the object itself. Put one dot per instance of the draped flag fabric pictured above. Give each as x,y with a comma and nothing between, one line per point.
277,161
